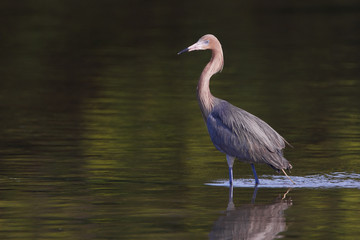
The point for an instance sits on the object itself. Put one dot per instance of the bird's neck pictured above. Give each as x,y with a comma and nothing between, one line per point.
205,98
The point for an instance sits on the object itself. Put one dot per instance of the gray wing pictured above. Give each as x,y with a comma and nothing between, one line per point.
243,135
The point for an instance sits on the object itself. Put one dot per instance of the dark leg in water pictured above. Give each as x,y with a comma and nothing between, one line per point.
255,175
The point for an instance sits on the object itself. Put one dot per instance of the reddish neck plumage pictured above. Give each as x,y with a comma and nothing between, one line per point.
205,98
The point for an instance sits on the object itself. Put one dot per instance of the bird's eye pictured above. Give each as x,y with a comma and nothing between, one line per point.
206,42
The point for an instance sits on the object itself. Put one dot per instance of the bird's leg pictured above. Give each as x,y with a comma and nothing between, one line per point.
255,175
254,194
231,176
231,205
230,161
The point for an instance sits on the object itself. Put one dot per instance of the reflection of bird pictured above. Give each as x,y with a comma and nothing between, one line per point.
234,131
251,221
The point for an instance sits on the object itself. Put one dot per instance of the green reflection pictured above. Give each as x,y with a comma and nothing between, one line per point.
101,133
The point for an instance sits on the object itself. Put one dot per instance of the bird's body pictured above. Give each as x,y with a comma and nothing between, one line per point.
234,131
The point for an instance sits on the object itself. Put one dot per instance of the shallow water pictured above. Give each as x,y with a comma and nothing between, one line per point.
102,137
331,180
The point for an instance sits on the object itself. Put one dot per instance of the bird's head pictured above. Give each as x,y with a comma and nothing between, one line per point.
207,41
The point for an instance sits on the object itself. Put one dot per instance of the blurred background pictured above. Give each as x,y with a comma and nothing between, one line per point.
102,136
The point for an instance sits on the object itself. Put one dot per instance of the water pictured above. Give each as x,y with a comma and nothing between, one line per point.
102,137
332,180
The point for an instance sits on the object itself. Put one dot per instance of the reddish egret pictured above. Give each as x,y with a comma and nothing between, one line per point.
233,131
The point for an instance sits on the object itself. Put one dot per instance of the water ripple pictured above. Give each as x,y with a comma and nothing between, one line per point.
331,180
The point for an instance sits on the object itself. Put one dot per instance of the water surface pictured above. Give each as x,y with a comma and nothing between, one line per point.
332,180
102,137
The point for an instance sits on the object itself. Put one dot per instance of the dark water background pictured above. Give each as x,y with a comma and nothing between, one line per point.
102,137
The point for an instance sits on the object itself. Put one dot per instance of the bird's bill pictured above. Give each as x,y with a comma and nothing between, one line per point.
195,46
184,50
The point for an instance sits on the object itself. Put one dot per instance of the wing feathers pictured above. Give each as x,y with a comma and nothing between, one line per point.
245,136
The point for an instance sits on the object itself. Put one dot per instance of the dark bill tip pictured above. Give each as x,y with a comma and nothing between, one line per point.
182,51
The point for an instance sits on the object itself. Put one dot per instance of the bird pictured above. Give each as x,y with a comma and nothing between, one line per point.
234,131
